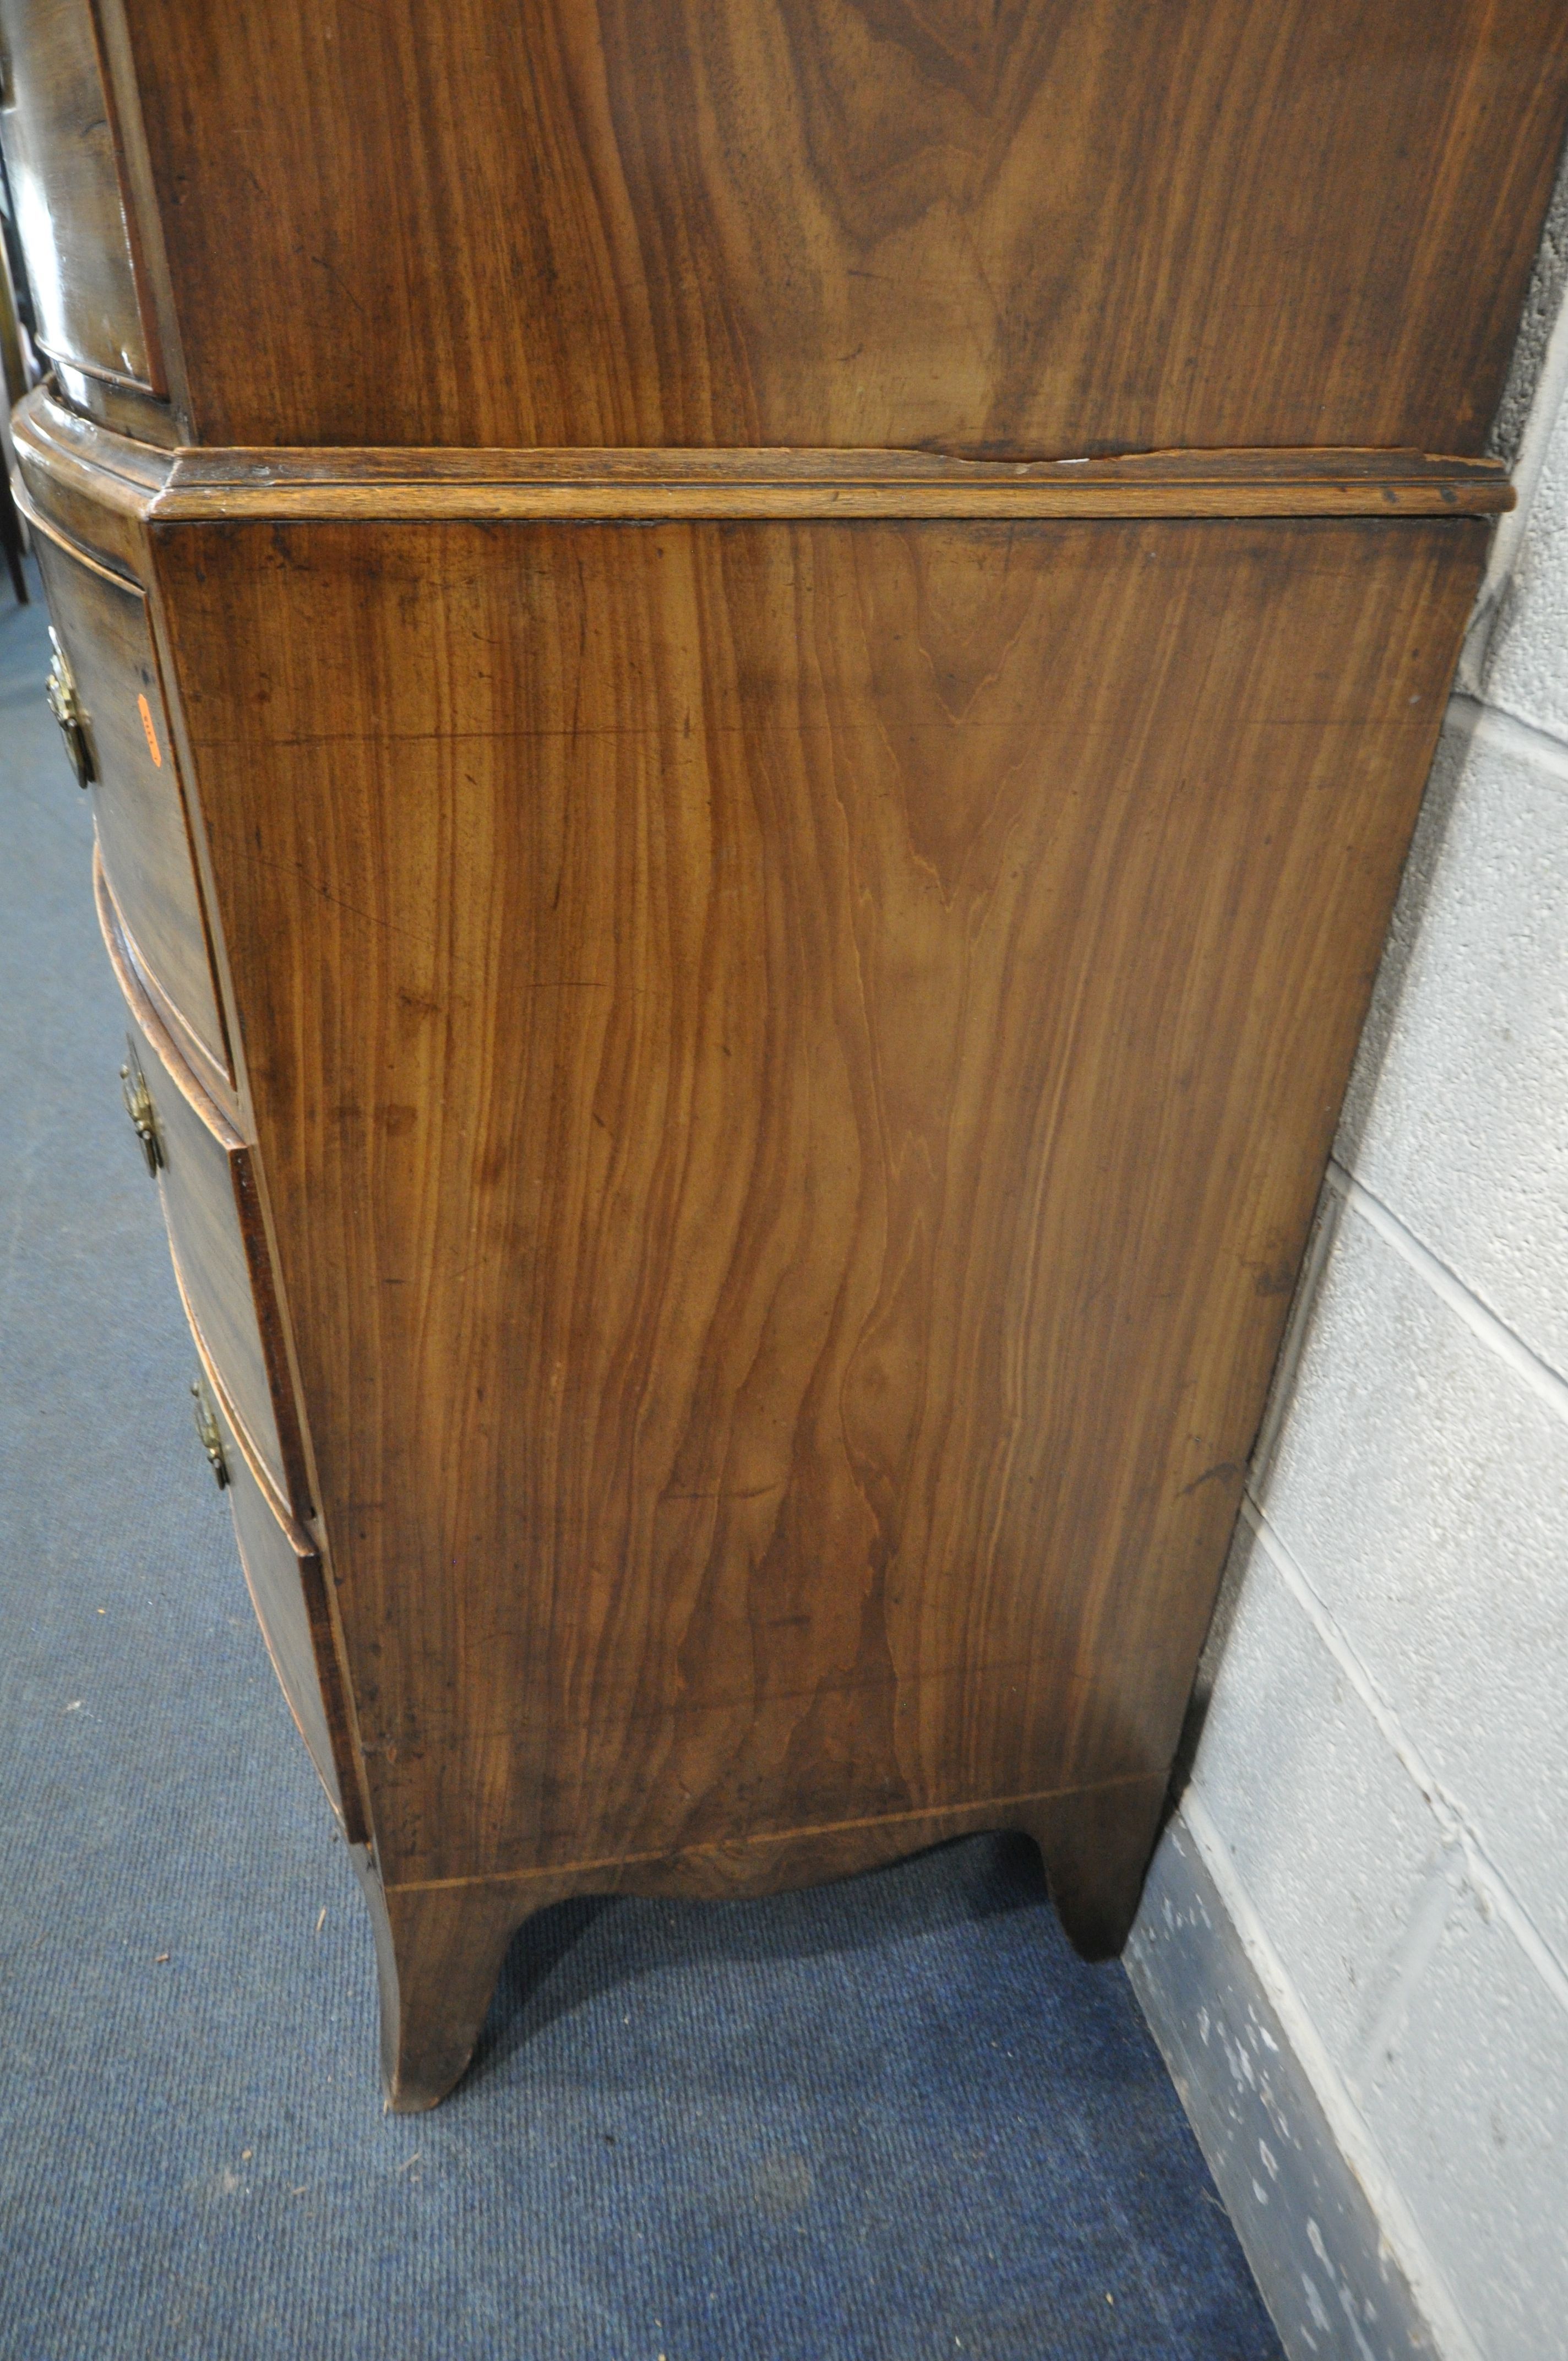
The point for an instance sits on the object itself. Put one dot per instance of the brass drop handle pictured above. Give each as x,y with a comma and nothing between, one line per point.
141,1111
65,704
212,1440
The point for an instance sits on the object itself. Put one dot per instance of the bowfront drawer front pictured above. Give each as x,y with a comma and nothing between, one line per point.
108,701
245,1405
207,1181
204,1176
287,1590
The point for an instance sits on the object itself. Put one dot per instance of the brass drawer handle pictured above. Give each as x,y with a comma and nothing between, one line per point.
141,1111
211,1438
65,704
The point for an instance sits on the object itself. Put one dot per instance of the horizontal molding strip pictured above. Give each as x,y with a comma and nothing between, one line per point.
649,485
216,486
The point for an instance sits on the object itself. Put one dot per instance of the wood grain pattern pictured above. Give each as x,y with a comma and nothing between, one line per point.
793,1064
1047,228
63,157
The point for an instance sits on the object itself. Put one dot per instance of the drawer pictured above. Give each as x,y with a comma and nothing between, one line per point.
284,1575
206,1178
121,734
58,128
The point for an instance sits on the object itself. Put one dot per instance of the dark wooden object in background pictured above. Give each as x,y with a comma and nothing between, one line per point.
742,1039
63,163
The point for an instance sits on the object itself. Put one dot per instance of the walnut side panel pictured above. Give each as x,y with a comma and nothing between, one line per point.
1056,226
793,1064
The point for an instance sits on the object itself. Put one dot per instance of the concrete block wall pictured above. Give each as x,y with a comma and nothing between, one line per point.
1375,1826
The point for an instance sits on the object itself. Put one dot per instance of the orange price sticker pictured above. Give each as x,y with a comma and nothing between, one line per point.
152,746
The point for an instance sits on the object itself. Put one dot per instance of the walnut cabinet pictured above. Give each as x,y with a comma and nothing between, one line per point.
754,678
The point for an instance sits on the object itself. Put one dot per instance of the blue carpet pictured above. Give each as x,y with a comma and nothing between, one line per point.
892,2120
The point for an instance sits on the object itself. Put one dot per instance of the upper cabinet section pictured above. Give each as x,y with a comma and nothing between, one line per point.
984,227
61,152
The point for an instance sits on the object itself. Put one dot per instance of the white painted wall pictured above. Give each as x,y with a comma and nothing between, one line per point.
1380,1792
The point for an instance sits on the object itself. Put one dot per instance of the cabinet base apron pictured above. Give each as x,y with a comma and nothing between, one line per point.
440,1946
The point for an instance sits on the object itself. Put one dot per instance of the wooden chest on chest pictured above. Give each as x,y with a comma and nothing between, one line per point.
754,680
